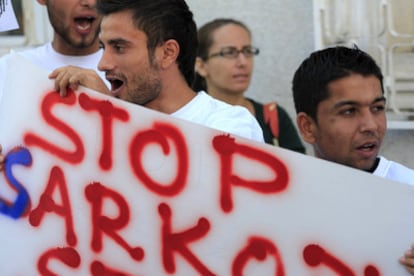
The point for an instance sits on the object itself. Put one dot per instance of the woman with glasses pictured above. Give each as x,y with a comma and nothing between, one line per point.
224,69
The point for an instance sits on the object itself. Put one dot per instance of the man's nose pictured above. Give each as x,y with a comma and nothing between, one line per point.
368,121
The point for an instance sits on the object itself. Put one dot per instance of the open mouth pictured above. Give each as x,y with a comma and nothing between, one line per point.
368,147
84,23
116,85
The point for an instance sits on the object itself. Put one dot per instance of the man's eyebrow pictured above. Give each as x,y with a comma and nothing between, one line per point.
380,99
117,41
343,103
114,41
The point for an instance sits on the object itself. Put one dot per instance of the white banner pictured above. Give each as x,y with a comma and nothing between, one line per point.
97,186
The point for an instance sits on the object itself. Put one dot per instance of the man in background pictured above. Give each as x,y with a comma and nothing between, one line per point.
339,99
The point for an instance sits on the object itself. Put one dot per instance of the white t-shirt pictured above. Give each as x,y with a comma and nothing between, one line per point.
394,171
208,111
46,57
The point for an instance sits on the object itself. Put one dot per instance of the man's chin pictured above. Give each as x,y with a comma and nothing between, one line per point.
366,165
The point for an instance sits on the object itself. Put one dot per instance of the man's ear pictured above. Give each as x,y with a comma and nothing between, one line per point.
200,67
168,53
307,127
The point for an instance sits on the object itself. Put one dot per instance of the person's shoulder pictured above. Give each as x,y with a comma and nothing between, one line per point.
27,53
254,102
34,53
231,118
7,58
394,171
271,107
221,106
282,110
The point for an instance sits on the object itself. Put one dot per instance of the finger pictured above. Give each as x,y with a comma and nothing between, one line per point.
74,82
409,254
2,160
63,92
59,71
407,262
54,74
61,83
411,270
58,76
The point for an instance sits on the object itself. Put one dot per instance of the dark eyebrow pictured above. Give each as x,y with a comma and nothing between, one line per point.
118,41
343,103
380,99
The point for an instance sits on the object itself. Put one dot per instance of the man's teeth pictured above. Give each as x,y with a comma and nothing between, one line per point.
84,23
84,27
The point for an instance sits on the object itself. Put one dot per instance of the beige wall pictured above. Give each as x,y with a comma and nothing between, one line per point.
282,29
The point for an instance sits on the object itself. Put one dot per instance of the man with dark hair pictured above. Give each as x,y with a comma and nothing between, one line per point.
340,105
75,40
149,55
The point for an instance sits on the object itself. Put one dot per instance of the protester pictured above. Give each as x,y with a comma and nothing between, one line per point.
149,60
224,67
340,105
75,39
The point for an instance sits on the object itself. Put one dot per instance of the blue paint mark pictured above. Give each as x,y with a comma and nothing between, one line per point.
22,156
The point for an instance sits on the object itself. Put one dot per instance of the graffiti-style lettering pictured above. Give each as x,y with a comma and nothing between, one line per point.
371,270
108,113
19,156
99,269
32,139
66,255
258,248
314,256
96,194
176,242
159,135
47,204
227,148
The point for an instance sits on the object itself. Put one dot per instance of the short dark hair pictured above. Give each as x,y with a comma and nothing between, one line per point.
162,20
205,41
311,79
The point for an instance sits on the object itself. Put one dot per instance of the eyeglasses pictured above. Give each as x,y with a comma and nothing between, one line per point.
233,52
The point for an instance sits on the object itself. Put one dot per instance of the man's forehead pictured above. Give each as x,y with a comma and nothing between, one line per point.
120,28
355,86
117,18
